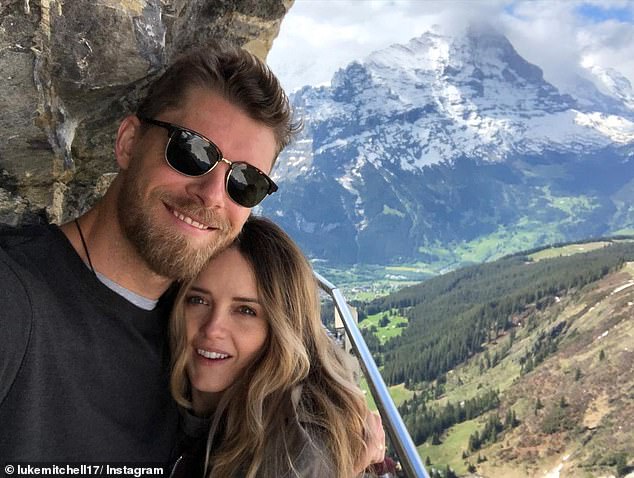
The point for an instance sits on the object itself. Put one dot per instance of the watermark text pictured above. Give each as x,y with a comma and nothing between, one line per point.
136,470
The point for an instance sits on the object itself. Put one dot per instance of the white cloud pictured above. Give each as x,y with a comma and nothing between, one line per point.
554,36
320,36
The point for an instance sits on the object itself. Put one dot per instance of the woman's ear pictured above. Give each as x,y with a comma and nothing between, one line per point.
128,135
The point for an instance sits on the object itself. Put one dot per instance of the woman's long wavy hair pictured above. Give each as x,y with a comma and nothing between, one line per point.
300,374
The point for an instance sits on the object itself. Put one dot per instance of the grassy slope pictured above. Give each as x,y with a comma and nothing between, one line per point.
599,403
567,250
450,451
398,393
387,332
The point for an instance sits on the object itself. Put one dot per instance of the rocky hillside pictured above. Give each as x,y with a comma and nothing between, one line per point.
546,391
448,139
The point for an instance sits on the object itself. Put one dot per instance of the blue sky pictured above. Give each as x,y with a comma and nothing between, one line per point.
601,13
562,36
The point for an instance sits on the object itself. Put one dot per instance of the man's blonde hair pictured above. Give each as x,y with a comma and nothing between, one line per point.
238,76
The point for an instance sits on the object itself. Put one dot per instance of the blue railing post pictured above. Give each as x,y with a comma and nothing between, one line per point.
392,421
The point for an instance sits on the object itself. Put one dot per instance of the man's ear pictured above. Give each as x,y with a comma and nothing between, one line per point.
128,135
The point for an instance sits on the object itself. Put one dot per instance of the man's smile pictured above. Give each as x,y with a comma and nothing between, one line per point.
197,223
190,221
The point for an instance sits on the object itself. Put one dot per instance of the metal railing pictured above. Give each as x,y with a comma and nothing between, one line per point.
392,421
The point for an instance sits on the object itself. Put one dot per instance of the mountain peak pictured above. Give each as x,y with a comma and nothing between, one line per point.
402,143
615,85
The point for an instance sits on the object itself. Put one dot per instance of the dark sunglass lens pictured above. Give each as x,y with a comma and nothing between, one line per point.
246,185
190,154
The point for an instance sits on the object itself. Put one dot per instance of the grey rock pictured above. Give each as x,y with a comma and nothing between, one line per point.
71,69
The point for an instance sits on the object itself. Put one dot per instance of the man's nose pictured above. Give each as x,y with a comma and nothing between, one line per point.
210,188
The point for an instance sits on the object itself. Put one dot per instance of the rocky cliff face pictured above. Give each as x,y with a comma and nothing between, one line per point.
71,69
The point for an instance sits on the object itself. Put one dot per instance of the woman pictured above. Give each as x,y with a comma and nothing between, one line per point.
249,351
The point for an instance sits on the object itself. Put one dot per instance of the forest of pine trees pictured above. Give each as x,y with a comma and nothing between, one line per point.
491,430
452,316
423,422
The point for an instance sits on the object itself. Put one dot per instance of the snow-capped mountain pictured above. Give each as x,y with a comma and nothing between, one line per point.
601,89
616,85
449,138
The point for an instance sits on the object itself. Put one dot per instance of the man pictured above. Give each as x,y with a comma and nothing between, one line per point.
84,359
84,362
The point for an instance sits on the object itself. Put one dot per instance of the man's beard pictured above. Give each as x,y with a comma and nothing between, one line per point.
165,250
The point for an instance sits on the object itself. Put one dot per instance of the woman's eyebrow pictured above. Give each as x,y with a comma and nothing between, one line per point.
246,299
202,290
198,289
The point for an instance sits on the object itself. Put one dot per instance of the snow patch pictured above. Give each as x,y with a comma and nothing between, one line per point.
554,473
630,283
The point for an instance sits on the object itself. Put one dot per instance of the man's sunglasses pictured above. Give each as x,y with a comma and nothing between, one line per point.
192,154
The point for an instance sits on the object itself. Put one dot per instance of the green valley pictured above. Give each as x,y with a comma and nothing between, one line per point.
516,367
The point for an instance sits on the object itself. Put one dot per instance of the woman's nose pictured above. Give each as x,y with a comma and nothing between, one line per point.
215,325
